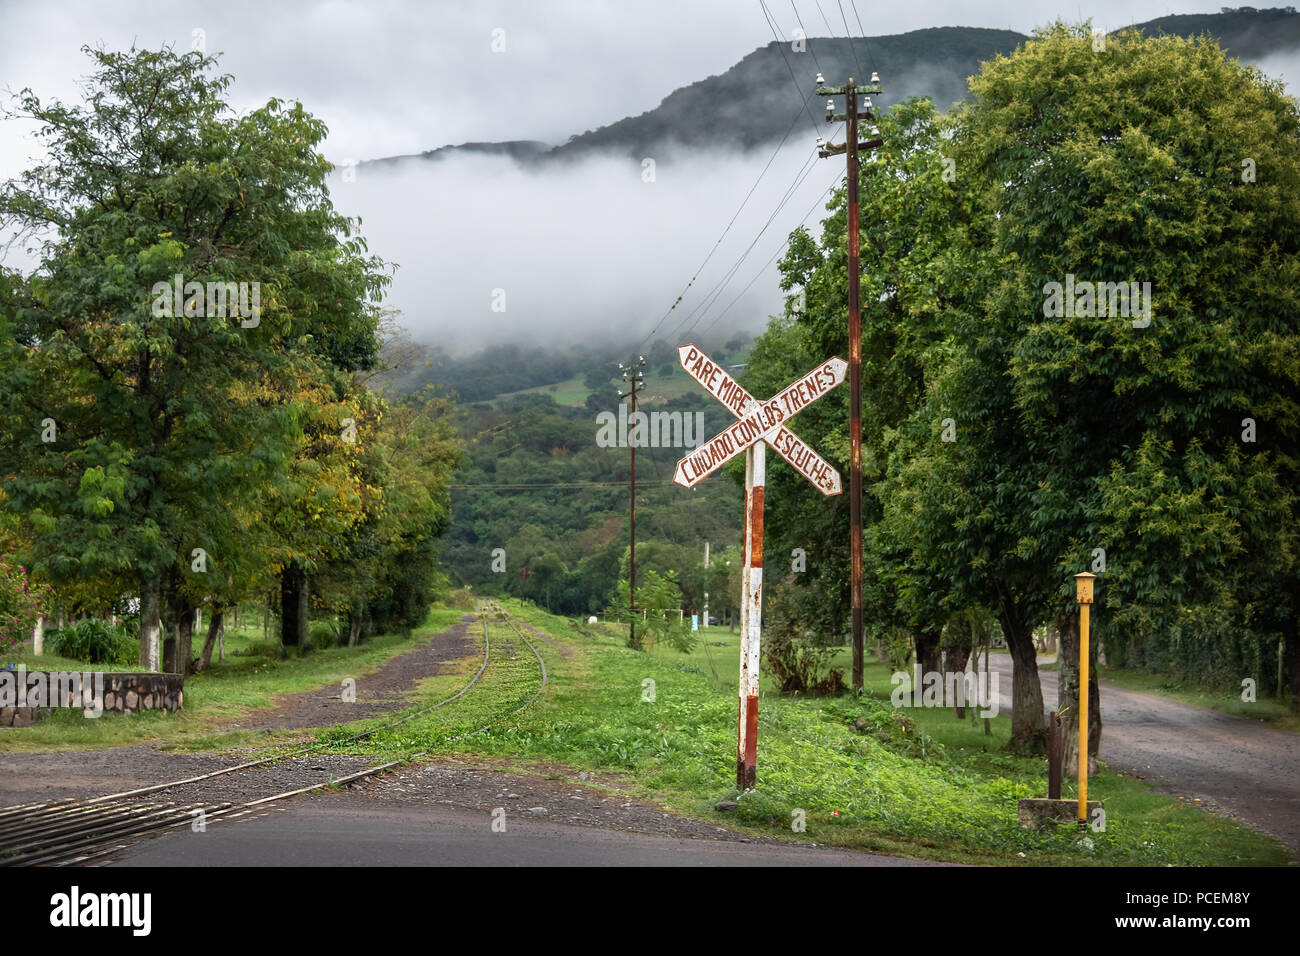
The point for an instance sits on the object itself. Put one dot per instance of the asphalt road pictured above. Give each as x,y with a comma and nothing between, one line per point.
1237,767
340,830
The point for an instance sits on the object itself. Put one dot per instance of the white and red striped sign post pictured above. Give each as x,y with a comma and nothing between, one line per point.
758,424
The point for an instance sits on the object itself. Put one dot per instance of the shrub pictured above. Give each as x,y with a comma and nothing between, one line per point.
96,642
323,634
270,650
462,599
801,639
20,605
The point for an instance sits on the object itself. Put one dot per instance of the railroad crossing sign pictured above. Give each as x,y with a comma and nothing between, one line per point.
758,424
759,420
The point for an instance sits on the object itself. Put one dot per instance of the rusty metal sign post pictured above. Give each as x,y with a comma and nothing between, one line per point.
759,423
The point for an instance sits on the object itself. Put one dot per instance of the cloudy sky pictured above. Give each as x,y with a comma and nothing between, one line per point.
393,78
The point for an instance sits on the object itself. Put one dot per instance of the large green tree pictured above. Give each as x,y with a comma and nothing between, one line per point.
1120,441
163,415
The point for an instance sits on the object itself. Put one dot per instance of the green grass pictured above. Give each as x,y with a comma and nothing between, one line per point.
571,391
249,679
511,681
919,784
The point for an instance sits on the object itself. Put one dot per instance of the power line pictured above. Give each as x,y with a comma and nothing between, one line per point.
862,30
829,30
714,293
705,306
848,35
780,45
722,283
805,33
779,250
735,216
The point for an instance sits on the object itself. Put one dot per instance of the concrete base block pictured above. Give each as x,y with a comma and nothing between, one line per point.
1039,812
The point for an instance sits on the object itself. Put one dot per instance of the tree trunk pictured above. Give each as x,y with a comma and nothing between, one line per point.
185,641
293,606
150,623
178,626
1028,724
928,654
954,662
205,656
1291,640
988,727
354,626
1067,698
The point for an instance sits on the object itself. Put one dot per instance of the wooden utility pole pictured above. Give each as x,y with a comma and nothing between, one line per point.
850,116
633,376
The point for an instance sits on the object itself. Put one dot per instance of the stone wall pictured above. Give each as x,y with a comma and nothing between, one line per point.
124,693
127,693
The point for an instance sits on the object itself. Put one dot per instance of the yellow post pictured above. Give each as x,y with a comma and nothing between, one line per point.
1083,587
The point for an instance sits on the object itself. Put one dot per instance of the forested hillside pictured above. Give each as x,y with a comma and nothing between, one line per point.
538,485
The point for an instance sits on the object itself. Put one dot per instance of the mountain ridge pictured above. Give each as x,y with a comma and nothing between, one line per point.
756,102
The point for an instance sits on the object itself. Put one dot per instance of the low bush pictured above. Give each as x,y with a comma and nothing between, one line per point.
323,634
462,599
96,642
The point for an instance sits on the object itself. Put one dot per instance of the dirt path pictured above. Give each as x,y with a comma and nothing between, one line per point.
382,692
1236,767
56,775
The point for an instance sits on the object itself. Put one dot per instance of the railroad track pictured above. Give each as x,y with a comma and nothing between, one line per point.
76,832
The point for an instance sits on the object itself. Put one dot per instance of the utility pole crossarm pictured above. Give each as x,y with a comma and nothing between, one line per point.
841,90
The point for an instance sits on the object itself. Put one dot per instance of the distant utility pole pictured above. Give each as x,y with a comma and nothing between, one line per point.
632,375
850,116
705,623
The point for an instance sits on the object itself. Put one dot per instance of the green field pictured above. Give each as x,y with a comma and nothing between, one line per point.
572,391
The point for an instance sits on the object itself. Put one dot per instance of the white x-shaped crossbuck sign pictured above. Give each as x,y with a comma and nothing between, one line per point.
759,421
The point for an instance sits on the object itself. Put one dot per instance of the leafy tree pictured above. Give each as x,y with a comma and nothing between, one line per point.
1110,431
912,219
659,598
163,416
